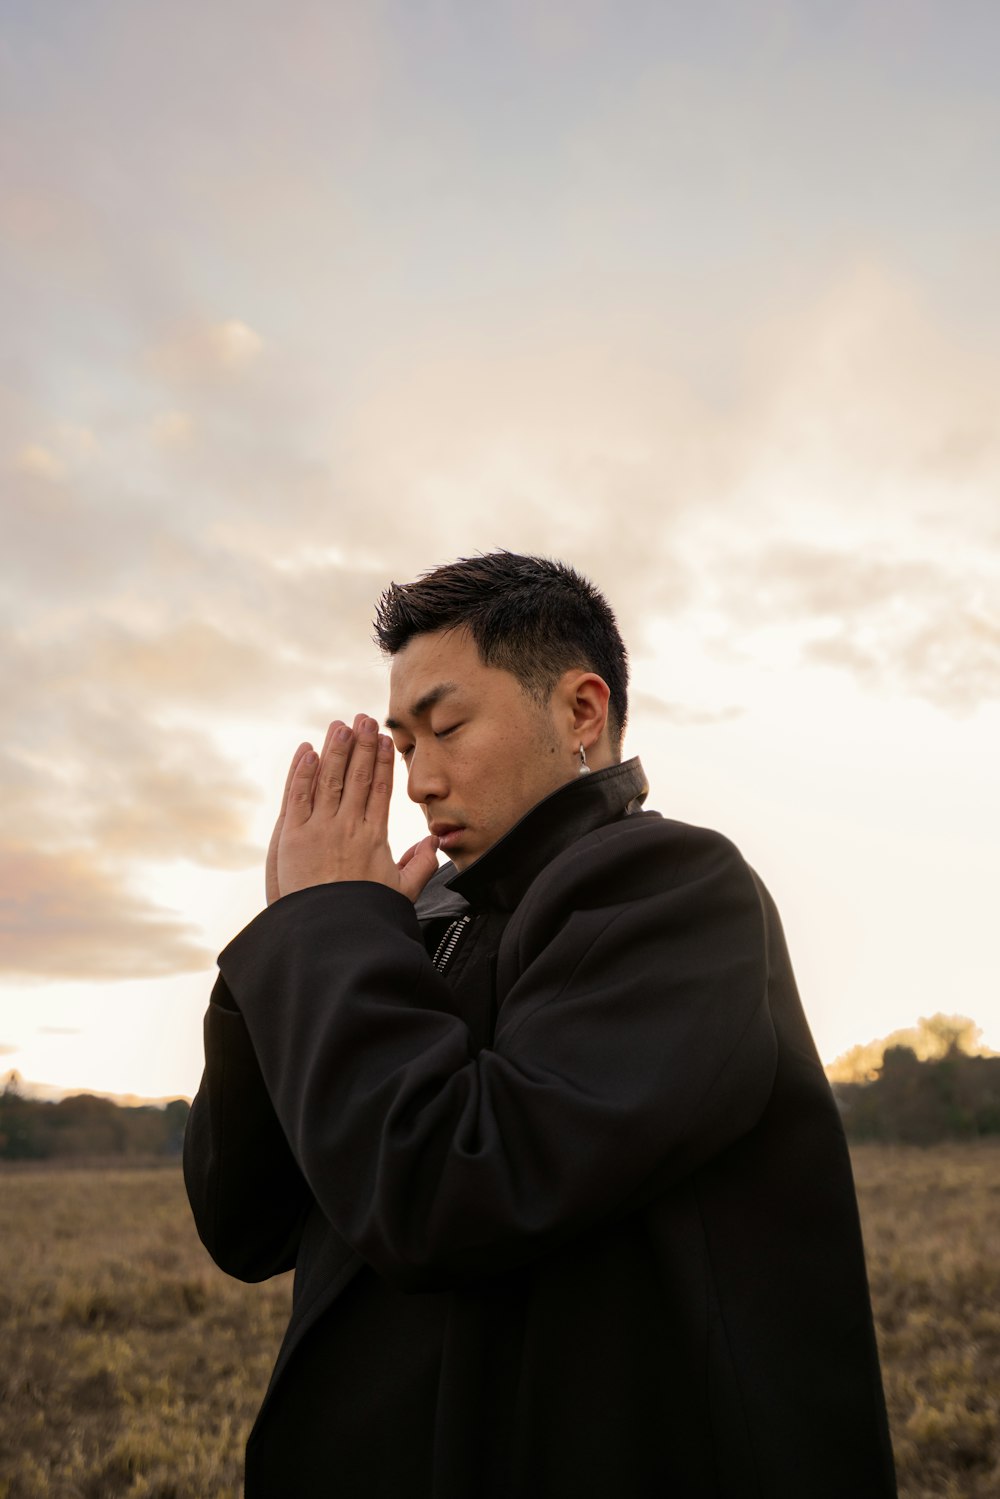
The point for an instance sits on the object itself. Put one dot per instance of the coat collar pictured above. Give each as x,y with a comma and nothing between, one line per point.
499,877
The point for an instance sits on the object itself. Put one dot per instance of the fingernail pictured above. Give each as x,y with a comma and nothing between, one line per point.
311,758
368,726
384,742
343,734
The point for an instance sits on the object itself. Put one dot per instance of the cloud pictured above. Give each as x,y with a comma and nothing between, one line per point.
78,442
914,626
171,428
563,29
194,662
245,565
216,565
107,755
127,791
583,449
207,351
39,462
178,807
72,446
292,639
66,918
844,494
234,344
95,777
70,543
682,714
845,497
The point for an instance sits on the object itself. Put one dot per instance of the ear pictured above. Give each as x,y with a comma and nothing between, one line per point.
586,697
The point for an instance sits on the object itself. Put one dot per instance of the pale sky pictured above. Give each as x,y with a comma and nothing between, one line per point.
301,298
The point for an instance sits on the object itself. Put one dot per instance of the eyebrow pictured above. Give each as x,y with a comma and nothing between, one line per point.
425,703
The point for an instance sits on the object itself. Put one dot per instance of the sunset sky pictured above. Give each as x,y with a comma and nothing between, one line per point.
301,298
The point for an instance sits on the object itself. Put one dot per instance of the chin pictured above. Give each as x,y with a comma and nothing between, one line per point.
462,857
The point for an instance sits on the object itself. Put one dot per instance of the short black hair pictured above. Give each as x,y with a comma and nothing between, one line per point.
531,616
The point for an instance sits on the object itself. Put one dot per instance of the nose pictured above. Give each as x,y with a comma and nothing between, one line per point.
425,780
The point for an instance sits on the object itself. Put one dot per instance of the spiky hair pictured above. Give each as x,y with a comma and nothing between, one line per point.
531,616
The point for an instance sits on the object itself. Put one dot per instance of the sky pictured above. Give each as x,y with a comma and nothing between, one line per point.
301,298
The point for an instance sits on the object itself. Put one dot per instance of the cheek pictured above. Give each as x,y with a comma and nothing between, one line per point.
500,771
482,781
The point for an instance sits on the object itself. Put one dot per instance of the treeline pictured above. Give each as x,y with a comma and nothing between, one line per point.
34,1130
954,1097
900,1097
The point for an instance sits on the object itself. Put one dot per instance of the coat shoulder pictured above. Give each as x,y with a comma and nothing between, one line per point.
658,869
642,854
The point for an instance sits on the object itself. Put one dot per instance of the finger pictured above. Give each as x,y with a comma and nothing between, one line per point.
421,864
377,810
303,749
357,784
333,767
300,791
324,753
271,862
402,862
328,742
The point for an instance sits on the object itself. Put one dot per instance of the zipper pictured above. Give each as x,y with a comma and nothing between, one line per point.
448,943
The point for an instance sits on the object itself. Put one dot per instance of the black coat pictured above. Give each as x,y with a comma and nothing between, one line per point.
572,1217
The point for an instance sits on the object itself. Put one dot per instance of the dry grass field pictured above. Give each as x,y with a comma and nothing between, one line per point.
932,1232
130,1366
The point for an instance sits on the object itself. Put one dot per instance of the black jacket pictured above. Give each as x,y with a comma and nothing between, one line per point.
572,1217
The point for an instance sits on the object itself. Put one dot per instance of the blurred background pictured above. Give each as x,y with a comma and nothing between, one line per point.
299,299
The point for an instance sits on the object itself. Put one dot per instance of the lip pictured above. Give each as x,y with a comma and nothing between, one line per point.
447,833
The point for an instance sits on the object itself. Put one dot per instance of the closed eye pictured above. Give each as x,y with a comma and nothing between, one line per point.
407,751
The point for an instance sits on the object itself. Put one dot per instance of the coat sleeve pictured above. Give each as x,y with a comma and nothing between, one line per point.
248,1196
634,1042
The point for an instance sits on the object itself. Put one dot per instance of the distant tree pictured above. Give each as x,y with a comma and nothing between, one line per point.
20,1136
84,1125
950,1097
950,1035
175,1117
932,1038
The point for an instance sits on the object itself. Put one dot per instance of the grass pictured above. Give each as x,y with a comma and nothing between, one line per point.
130,1366
932,1230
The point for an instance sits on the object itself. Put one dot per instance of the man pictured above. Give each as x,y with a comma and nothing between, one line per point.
544,1133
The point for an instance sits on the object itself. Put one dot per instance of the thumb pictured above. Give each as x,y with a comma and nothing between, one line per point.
420,863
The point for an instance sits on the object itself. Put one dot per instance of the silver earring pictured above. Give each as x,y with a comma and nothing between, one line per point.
584,767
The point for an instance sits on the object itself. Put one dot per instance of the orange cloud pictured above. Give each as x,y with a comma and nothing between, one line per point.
205,352
40,463
68,919
171,428
177,812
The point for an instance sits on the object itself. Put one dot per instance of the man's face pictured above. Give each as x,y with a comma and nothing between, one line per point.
479,752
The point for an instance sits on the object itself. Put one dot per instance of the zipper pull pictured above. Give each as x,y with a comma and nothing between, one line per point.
449,942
